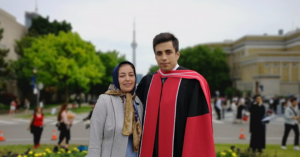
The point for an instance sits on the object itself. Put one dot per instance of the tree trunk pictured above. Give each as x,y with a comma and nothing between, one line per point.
67,93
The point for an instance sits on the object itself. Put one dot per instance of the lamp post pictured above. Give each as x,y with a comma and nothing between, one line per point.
34,87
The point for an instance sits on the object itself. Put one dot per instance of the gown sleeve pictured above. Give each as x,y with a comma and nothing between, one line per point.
198,139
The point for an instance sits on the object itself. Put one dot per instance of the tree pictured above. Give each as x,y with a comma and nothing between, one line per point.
64,60
42,26
153,69
110,60
210,63
4,70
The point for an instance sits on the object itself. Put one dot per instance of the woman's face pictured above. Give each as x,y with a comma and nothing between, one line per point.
39,110
126,78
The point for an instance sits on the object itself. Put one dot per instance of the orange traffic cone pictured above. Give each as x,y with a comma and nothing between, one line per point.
54,137
242,135
1,136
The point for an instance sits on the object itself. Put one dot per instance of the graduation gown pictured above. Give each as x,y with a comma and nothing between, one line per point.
183,129
257,127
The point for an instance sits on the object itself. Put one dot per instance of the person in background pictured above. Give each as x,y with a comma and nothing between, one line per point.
13,106
224,106
240,108
64,127
218,107
291,115
42,103
234,110
257,126
282,103
27,105
92,103
36,126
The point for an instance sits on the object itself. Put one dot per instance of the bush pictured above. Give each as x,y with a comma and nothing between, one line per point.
2,107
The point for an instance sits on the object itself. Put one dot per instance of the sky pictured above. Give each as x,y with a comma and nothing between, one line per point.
108,24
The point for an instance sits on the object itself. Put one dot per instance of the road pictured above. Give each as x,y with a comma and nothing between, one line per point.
15,131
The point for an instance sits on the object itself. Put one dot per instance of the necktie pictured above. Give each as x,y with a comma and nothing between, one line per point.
163,80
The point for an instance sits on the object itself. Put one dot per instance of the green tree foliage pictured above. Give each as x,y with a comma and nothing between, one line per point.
230,92
4,70
42,26
153,69
63,60
210,63
110,60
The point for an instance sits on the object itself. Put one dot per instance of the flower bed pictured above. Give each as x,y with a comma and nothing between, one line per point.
48,153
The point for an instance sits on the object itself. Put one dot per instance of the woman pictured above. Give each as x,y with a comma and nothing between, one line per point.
234,110
36,126
115,123
240,108
13,106
64,126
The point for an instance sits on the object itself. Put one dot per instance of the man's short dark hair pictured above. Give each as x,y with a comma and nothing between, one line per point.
255,96
293,99
165,37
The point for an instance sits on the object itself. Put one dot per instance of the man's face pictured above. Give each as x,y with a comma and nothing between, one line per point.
166,56
258,99
294,103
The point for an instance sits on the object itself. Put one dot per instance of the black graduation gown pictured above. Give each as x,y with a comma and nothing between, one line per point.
190,95
257,127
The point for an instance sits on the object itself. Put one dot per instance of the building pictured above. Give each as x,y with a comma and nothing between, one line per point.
12,31
265,64
28,18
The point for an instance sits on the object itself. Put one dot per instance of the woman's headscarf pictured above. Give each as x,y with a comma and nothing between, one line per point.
116,76
131,124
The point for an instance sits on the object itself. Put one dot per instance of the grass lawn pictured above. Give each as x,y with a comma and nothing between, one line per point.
82,109
271,150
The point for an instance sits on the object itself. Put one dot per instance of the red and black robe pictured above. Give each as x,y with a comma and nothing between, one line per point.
177,119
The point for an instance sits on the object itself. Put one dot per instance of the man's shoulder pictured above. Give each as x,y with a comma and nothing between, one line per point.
148,76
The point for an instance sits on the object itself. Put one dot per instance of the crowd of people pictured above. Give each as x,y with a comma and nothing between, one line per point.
259,113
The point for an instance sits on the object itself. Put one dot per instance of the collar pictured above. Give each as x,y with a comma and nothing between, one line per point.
176,67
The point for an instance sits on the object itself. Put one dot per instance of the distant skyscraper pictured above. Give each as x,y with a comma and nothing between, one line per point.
31,15
133,45
28,18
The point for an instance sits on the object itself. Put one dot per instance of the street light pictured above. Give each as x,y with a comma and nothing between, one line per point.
34,87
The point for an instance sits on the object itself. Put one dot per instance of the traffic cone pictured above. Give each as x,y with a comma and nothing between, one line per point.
242,135
54,137
1,136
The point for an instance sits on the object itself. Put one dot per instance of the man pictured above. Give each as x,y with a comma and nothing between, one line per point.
291,122
177,119
218,108
257,125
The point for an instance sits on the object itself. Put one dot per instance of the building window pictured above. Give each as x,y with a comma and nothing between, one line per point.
267,65
294,65
285,65
276,65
